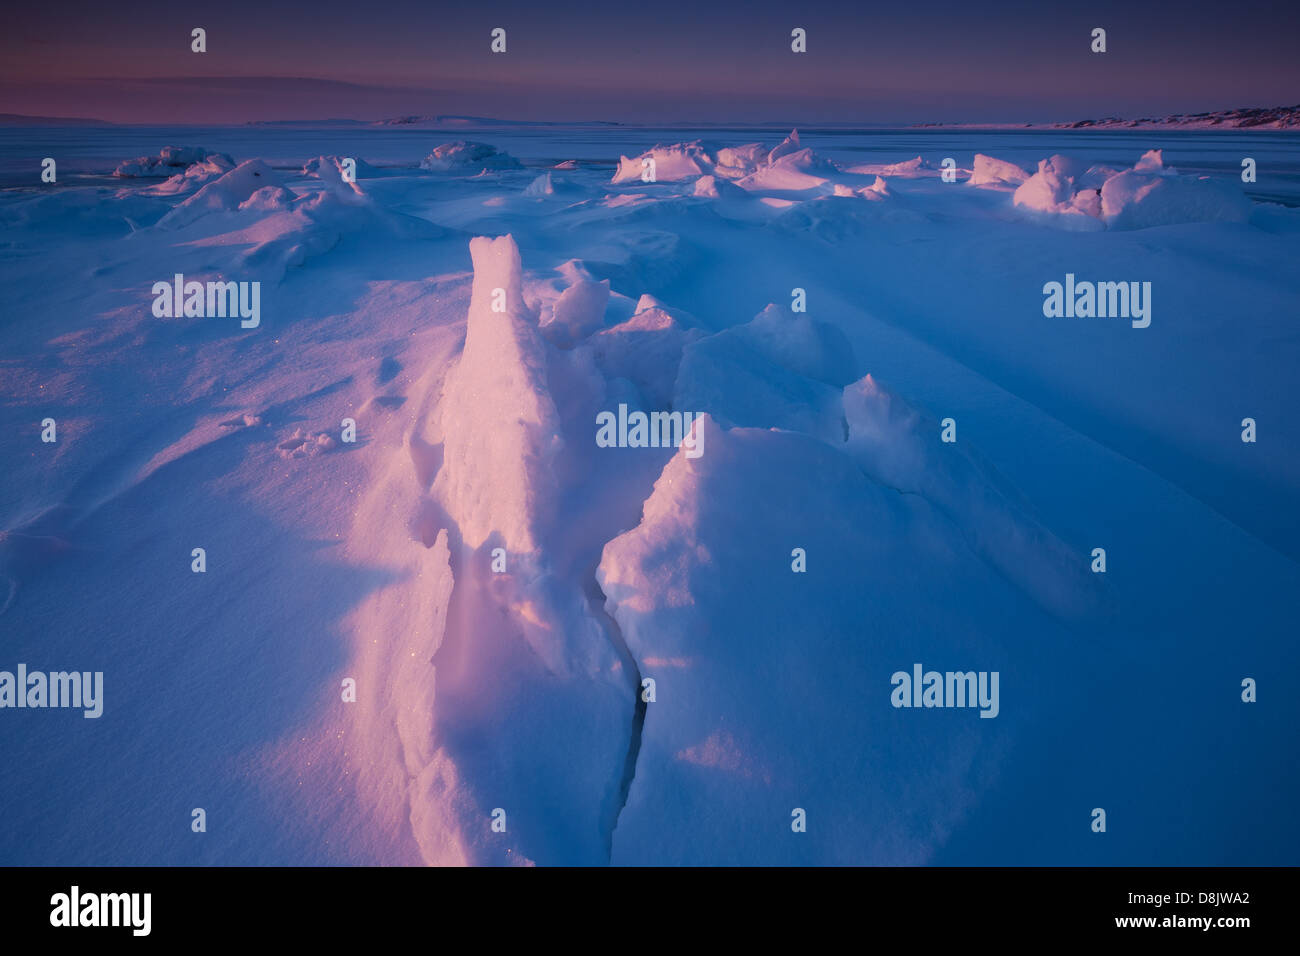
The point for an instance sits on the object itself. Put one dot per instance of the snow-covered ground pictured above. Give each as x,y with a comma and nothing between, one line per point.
501,584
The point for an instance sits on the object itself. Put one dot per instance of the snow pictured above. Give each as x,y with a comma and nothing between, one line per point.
472,327
910,169
794,173
499,423
735,162
711,187
465,156
170,161
363,169
996,172
1135,199
672,164
1149,194
786,147
541,186
228,193
194,177
753,663
579,311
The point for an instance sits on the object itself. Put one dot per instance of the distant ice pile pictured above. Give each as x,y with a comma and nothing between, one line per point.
363,169
170,161
462,156
787,167
1066,193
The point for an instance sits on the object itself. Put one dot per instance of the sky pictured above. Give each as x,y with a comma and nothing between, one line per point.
648,61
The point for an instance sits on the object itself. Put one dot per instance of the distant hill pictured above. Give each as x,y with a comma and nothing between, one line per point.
18,119
470,122
1276,117
308,124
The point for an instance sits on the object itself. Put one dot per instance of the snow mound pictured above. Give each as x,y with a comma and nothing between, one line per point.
195,177
170,161
1138,199
996,172
464,156
754,662
500,424
329,170
1058,188
224,194
363,169
1152,161
672,164
792,172
788,167
1149,194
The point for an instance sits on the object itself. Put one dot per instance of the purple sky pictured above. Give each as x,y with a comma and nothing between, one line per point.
658,61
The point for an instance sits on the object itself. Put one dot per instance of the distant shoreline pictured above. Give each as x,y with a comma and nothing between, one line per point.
1274,119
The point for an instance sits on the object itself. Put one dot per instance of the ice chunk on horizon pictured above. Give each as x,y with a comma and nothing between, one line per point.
170,161
195,177
675,163
787,146
465,156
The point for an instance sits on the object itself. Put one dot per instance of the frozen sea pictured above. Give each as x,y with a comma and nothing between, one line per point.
91,151
394,638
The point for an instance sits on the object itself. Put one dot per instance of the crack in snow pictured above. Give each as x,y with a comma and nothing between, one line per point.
596,598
